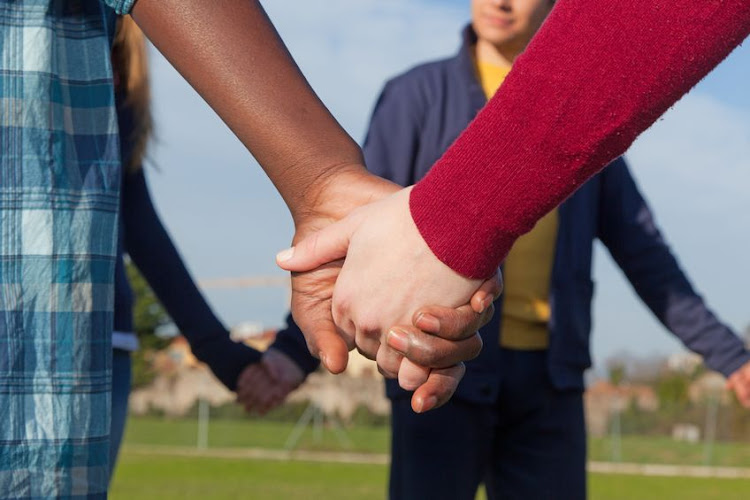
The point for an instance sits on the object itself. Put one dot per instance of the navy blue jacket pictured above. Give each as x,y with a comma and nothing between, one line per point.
143,237
417,117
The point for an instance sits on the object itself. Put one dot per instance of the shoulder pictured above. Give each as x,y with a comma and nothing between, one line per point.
426,72
424,80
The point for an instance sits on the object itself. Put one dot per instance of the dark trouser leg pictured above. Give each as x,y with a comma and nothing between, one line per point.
540,444
120,392
441,454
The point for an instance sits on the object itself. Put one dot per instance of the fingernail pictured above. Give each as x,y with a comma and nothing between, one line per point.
428,323
397,340
428,404
285,255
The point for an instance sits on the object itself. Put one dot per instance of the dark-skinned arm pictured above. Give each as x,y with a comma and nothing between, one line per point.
229,51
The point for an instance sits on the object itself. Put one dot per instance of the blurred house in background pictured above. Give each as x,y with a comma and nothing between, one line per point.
603,399
181,380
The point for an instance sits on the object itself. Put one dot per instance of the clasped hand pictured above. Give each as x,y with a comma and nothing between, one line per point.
365,279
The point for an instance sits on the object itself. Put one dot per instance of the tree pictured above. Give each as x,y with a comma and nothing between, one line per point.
616,373
148,316
672,390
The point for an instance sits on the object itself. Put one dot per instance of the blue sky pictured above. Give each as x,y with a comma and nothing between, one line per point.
693,166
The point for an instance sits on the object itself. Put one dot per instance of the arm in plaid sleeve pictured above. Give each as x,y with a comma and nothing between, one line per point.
120,6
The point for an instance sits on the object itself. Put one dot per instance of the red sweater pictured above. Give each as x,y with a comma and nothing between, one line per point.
597,74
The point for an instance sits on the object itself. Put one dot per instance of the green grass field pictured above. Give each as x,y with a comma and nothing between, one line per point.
250,434
145,475
265,434
664,450
149,477
157,477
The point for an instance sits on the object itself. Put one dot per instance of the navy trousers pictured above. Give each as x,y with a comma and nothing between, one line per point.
121,375
530,444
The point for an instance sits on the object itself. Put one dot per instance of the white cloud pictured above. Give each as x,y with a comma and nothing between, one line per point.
701,148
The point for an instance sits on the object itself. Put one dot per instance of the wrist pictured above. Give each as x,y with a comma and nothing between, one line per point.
335,194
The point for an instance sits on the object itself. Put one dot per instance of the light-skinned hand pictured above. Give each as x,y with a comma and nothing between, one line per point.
388,275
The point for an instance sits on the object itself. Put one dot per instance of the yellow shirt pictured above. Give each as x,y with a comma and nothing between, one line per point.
491,77
528,269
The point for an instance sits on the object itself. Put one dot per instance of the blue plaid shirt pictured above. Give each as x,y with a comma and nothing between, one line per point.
59,190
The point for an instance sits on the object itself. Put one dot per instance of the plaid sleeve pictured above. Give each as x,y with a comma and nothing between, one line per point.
59,198
120,6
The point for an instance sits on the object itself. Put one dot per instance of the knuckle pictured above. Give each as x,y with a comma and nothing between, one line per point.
386,373
389,360
368,324
340,308
425,350
466,325
367,346
456,323
421,355
366,352
440,353
349,341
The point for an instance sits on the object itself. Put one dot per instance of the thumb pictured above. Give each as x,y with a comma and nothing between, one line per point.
326,343
324,246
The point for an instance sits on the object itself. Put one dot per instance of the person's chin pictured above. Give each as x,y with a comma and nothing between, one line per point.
496,35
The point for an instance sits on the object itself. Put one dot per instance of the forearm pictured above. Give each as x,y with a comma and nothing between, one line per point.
628,229
230,53
666,290
722,350
596,75
668,293
664,287
208,338
154,254
684,313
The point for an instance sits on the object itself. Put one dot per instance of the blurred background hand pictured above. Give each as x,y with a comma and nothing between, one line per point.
263,386
739,382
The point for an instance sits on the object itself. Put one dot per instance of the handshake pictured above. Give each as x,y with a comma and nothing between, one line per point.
363,277
263,386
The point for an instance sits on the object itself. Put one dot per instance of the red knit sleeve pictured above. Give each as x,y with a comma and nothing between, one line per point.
597,74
